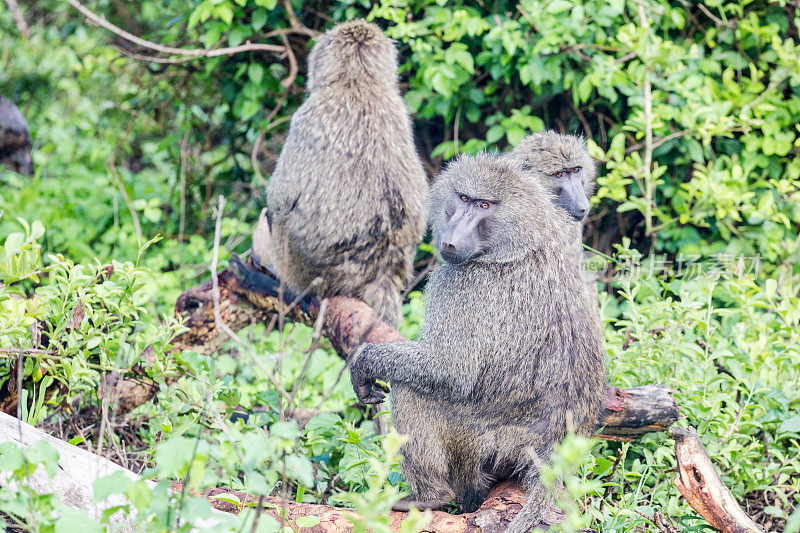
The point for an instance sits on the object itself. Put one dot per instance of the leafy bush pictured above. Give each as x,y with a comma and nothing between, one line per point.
692,108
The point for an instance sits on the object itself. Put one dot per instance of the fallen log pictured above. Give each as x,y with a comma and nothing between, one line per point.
503,503
699,482
79,468
77,471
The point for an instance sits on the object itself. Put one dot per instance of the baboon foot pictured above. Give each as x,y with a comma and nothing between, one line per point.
408,502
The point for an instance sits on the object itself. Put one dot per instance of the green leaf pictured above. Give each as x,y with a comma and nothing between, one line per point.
269,4
139,494
258,19
771,286
494,134
115,483
71,520
14,243
37,230
307,521
515,134
43,453
256,73
617,149
286,430
790,425
300,468
225,13
11,457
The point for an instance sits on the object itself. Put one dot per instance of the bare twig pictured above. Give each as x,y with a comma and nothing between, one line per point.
289,80
318,323
718,21
330,391
192,52
154,59
420,276
19,18
587,130
23,351
297,26
218,322
648,123
136,226
262,135
780,78
456,124
182,221
221,423
214,260
626,57
638,146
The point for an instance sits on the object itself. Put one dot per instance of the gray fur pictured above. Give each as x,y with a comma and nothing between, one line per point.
509,355
545,153
262,242
347,199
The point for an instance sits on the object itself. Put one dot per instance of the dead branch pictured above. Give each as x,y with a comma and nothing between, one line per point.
699,483
78,469
193,52
631,412
19,18
503,503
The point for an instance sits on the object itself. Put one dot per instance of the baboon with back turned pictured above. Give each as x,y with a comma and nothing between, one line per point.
346,203
510,353
563,166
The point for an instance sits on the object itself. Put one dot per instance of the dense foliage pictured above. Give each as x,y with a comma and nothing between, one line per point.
693,109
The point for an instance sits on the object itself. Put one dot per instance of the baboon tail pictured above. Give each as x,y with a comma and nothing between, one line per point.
384,296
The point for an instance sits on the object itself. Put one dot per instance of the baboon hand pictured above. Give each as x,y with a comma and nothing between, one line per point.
362,377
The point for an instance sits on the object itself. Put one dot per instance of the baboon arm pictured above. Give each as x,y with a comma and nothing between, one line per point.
414,364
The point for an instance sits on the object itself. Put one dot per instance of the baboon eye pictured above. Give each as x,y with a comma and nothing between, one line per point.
484,205
561,174
575,170
464,197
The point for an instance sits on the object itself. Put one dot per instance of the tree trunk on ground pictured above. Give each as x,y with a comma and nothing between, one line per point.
697,481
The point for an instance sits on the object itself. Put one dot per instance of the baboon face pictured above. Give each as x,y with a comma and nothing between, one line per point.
481,209
569,191
468,226
352,51
562,164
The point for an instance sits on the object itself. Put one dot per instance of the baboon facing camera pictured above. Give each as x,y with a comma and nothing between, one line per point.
510,353
346,203
564,167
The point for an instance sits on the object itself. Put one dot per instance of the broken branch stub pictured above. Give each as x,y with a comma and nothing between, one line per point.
699,482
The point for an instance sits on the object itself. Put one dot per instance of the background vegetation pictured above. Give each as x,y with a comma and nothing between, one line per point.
692,107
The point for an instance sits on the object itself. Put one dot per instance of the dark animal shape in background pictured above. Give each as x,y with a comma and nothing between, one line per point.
15,139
